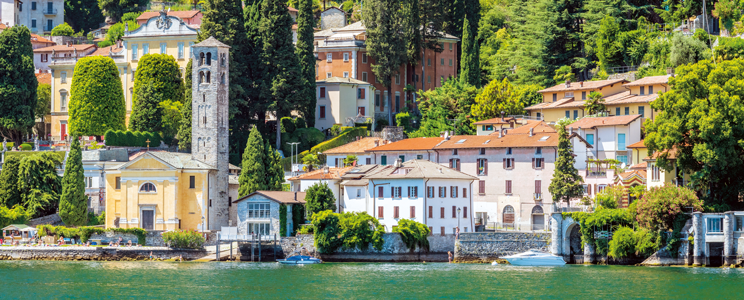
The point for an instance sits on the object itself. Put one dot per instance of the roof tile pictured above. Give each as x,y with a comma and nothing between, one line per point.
355,147
591,122
414,144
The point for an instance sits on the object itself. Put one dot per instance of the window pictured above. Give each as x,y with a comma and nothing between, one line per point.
650,89
442,192
576,114
419,156
428,62
329,75
454,212
627,111
441,216
450,46
364,58
329,57
397,79
454,151
259,210
63,101
118,183
322,92
617,111
621,141
508,163
714,224
145,49
44,57
346,74
555,97
322,112
538,189
655,173
430,194
369,160
623,159
361,110
442,62
33,5
454,163
346,57
88,182
33,22
508,187
377,99
583,95
482,166
63,77
450,64
465,215
380,211
383,160
643,90
162,48
568,114
538,150
134,71
428,79
508,151
192,182
222,78
413,212
364,76
402,158
180,50
537,163
191,44
641,111
482,151
431,213
50,25
453,192
482,187
395,190
590,139
413,192
396,212
380,192
147,188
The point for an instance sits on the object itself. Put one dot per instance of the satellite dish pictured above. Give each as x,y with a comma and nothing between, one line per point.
622,166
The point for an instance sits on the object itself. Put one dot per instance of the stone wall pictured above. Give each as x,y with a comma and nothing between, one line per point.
95,253
153,238
485,247
332,18
53,219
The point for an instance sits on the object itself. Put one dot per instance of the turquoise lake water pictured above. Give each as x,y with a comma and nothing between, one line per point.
168,280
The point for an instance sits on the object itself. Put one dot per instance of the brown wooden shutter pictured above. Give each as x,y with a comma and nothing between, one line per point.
464,192
512,163
482,187
441,213
465,212
442,230
396,212
504,163
451,165
454,211
485,167
458,164
410,192
380,192
415,192
431,230
538,186
589,189
413,212
392,192
379,212
431,212
533,162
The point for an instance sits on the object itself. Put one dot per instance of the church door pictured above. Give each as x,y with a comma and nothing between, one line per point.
147,219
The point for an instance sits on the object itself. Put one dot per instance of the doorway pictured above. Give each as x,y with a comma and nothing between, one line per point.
148,218
715,254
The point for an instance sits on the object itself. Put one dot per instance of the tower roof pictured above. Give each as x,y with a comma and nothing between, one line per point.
211,42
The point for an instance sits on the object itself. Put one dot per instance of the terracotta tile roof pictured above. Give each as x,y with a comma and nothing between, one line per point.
565,102
419,169
543,136
592,122
626,97
355,147
498,120
105,50
627,175
2,26
188,14
40,39
640,144
65,48
292,9
641,166
323,174
44,78
278,196
650,80
415,144
587,85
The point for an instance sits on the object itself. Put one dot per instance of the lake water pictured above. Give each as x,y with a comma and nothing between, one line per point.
168,280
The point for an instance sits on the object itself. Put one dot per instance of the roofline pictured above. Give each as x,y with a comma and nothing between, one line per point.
612,82
267,196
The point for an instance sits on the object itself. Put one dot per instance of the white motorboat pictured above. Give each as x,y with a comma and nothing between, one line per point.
534,258
299,260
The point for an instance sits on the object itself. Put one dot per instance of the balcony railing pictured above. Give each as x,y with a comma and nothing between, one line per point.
34,30
537,197
50,11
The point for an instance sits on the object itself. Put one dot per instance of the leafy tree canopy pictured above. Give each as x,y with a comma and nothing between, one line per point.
96,97
18,83
318,198
63,29
497,97
438,107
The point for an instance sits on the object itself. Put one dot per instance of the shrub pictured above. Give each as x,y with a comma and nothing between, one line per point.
309,229
300,123
380,124
603,219
84,233
98,104
16,215
659,207
298,217
188,239
647,242
413,234
26,147
63,29
347,230
623,243
288,125
404,120
318,198
283,220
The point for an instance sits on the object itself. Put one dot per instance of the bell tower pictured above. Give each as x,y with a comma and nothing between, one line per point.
209,125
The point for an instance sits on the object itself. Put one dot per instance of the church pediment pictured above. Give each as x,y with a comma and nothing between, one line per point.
162,25
147,162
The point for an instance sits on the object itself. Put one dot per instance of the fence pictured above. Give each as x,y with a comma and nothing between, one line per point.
499,226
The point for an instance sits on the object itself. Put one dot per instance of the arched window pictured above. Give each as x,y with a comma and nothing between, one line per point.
147,188
222,78
209,75
508,217
222,59
538,218
209,58
201,58
537,210
201,77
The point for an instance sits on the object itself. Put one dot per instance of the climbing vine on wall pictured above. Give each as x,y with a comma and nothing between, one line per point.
603,219
283,220
298,217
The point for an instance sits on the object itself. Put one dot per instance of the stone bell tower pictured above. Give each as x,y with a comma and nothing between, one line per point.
209,124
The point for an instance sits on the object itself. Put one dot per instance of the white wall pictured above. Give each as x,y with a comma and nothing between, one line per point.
361,159
409,155
352,203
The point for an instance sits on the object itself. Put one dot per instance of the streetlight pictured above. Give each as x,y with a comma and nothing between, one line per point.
292,156
458,217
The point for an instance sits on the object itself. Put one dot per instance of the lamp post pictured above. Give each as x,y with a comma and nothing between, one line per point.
458,217
292,155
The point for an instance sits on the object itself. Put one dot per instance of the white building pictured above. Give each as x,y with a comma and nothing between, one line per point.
39,16
342,100
259,212
326,175
405,150
419,190
335,157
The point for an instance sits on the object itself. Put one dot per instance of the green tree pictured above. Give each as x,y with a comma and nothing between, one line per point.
305,53
115,9
223,19
73,203
63,29
147,114
83,14
470,58
496,97
451,101
528,94
97,98
727,12
609,51
312,161
411,28
319,197
563,74
43,106
10,194
687,50
18,83
659,208
171,120
283,83
566,182
384,42
162,72
274,169
696,129
116,32
253,172
131,16
184,131
595,104
39,183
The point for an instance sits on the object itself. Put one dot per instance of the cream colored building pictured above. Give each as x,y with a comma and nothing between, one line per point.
342,101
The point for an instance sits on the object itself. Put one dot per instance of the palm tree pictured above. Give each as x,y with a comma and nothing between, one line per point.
595,104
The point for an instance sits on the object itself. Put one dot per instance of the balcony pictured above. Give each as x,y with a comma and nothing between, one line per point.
537,197
34,30
50,11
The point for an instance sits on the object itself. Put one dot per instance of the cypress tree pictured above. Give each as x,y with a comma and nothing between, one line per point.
282,77
274,169
470,58
17,83
73,204
305,53
184,132
147,114
566,182
253,174
10,195
224,20
412,30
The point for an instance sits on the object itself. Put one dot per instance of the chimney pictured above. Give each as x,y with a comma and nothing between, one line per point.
568,83
570,130
398,163
377,143
295,196
500,133
325,170
502,115
446,135
531,131
69,43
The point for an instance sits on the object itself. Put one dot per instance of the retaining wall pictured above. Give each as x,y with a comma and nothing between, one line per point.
95,253
486,247
153,238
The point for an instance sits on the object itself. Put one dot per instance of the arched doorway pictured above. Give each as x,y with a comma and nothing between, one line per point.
538,218
574,239
508,216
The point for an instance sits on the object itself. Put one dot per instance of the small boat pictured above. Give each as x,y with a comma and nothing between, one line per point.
299,260
534,258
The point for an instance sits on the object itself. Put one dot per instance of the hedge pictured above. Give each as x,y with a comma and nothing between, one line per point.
348,135
131,138
189,239
26,147
84,233
23,154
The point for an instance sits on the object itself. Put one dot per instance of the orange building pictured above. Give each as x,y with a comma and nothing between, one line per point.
342,52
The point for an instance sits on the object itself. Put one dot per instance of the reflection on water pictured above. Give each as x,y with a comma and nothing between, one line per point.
173,280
